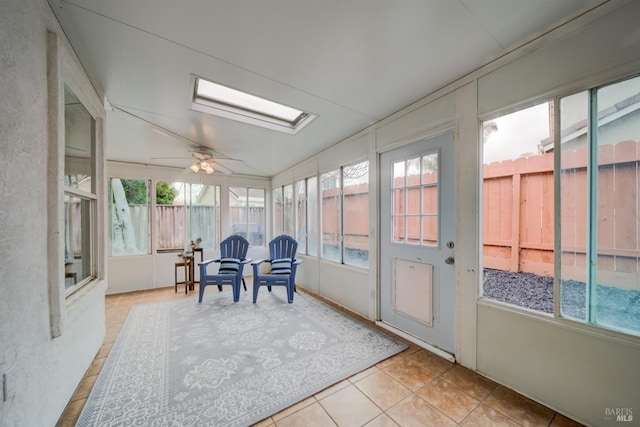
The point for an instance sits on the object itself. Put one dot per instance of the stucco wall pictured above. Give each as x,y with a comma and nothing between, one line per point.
44,371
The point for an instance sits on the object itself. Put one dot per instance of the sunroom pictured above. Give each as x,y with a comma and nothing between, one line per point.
485,152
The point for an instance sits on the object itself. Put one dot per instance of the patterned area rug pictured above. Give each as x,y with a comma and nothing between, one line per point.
181,363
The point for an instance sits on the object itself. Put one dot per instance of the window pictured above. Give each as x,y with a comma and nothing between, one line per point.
203,204
80,198
171,227
415,200
594,262
331,215
356,214
288,210
345,214
313,228
301,215
518,208
246,214
129,216
213,98
278,211
290,213
600,212
573,207
186,212
284,221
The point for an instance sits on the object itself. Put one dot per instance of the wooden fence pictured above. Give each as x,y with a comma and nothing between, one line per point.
172,221
172,226
518,214
517,219
355,216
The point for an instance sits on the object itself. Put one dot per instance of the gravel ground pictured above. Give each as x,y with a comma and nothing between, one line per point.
619,308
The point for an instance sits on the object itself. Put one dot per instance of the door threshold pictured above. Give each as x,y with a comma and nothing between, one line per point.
429,347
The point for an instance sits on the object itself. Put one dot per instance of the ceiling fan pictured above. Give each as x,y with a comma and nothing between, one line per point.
203,163
205,160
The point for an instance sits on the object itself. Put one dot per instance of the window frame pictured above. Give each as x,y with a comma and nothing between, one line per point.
89,241
277,198
339,230
345,259
313,249
420,188
513,110
556,316
341,216
591,208
302,244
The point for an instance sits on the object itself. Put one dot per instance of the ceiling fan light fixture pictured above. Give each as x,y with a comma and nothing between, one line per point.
204,164
208,170
195,167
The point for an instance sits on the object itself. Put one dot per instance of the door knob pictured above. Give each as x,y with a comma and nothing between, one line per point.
449,260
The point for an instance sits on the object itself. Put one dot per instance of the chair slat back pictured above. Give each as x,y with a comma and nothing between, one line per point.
283,246
234,247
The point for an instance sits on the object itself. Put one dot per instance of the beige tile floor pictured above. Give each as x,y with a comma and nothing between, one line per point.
413,388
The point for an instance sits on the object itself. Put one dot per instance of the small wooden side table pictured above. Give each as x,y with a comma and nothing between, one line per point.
187,264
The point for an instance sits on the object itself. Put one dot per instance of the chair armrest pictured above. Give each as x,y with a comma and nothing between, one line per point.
209,261
297,261
246,261
260,261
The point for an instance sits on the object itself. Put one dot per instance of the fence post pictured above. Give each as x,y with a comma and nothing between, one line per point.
515,224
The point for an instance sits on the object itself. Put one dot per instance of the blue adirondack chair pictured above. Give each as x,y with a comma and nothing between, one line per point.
282,252
233,257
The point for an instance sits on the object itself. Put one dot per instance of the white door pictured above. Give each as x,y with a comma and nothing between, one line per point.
417,264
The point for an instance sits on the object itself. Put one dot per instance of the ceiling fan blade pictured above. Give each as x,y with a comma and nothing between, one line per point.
230,160
213,154
218,166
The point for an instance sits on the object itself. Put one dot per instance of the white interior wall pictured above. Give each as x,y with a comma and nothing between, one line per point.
47,341
587,55
307,276
345,285
467,223
576,371
560,363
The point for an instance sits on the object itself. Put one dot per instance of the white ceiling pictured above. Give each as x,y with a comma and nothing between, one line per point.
351,63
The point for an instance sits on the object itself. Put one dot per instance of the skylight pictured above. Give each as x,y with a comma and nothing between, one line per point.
213,98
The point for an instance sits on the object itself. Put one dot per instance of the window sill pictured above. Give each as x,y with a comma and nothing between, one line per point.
347,266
